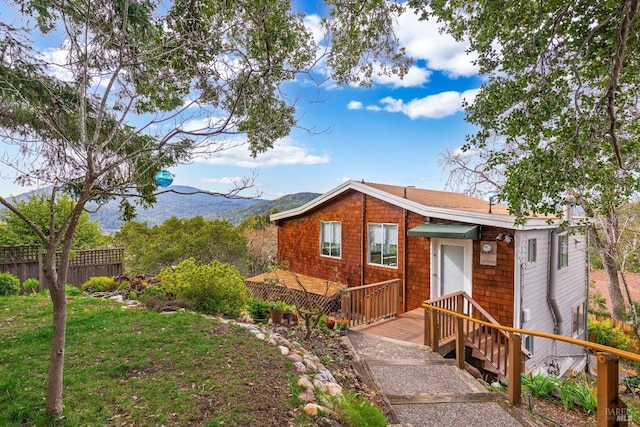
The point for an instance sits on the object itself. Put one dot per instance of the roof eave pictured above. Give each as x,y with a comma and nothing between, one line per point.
459,215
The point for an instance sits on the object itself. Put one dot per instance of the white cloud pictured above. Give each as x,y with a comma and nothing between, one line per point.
373,108
284,152
432,107
423,40
343,179
354,105
313,23
224,180
416,76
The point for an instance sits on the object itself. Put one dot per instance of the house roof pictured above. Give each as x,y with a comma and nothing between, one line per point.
430,203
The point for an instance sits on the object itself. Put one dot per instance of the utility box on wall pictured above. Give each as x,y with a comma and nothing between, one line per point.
488,253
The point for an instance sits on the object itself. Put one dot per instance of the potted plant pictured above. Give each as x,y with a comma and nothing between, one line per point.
277,310
342,325
259,310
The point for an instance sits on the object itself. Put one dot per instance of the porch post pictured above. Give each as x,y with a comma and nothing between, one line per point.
426,326
460,342
611,410
514,369
434,336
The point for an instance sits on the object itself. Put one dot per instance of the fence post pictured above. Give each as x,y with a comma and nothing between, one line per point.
514,369
611,410
41,277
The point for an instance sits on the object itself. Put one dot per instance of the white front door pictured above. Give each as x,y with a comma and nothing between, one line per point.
451,266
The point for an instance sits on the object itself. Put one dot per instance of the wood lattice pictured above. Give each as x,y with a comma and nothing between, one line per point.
320,293
19,253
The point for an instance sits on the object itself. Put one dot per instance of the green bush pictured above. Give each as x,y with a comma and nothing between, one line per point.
586,397
606,334
73,291
30,285
355,411
154,298
258,309
9,284
213,289
566,391
539,385
100,284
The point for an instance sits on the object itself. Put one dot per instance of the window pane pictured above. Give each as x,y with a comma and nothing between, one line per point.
390,248
337,239
330,238
375,243
383,244
563,251
532,250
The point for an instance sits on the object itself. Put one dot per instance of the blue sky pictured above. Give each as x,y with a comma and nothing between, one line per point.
393,132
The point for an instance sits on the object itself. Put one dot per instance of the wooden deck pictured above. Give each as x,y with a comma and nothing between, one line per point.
407,327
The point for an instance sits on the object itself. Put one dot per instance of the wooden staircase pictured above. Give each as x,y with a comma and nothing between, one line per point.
486,348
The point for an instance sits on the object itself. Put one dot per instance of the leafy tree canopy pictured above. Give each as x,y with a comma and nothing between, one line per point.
558,113
150,250
14,231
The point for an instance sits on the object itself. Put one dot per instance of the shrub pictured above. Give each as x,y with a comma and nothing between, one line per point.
354,411
606,334
30,285
155,299
213,289
539,385
100,284
566,391
172,279
9,284
258,309
586,396
73,291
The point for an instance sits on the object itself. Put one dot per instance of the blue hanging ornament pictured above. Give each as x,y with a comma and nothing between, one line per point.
164,178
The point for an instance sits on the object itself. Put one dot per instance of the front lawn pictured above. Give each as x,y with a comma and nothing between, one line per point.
128,366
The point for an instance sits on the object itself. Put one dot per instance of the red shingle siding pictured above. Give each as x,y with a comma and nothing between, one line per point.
299,246
299,241
493,285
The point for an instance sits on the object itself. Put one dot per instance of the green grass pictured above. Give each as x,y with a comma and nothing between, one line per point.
137,367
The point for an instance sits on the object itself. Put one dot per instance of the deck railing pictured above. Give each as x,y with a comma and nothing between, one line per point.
371,303
611,409
492,343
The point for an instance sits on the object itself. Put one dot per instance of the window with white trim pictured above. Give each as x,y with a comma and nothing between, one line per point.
563,251
532,250
331,238
383,244
577,324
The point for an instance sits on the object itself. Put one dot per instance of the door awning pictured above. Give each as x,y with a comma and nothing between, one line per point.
446,231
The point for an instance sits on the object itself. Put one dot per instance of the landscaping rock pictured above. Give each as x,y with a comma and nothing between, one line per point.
299,367
283,350
294,357
307,396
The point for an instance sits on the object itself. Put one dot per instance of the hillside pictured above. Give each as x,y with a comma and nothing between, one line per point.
290,201
190,205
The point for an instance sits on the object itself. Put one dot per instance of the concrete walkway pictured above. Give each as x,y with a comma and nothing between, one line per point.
424,389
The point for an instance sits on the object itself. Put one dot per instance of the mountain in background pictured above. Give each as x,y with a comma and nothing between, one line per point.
189,205
284,203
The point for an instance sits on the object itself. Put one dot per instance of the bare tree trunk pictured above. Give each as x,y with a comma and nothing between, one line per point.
56,361
613,285
605,244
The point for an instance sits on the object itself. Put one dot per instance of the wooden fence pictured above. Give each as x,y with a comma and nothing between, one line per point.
27,261
625,327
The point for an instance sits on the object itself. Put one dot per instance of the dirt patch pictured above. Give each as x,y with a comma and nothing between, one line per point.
552,413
